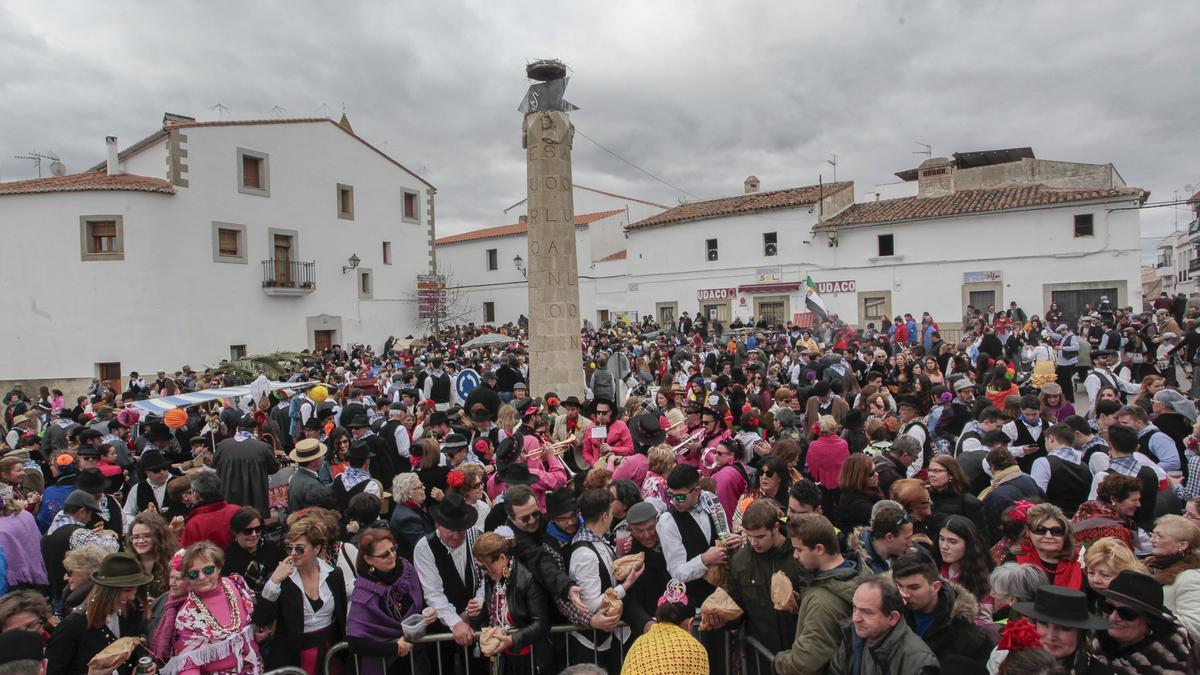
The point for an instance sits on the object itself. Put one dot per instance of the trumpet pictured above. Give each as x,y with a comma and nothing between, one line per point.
552,449
681,449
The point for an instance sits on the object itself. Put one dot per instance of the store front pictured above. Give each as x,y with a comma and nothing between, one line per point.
771,301
716,303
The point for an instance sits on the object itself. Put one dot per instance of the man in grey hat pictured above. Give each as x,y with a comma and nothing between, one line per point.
78,510
643,527
1068,358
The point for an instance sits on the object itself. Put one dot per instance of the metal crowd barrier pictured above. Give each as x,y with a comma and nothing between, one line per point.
752,653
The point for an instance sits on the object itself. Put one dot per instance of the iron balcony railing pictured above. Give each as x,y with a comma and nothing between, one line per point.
277,273
1194,265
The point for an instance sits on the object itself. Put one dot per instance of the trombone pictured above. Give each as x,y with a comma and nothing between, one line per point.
554,450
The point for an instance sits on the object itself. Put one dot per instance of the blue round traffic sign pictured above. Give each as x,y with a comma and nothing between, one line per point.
465,381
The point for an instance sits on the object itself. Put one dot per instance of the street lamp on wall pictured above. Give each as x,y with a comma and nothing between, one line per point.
519,263
353,263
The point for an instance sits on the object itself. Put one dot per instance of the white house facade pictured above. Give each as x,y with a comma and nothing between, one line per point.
208,240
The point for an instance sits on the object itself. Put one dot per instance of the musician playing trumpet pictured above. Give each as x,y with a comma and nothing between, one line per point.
570,423
606,435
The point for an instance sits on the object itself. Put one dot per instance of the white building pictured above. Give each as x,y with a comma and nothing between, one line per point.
487,266
985,228
208,240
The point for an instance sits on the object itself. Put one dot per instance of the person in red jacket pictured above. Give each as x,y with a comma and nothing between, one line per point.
606,434
210,520
900,337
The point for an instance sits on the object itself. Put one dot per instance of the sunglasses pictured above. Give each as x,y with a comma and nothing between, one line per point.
207,571
295,549
768,474
386,554
530,517
1042,531
1126,613
251,530
681,498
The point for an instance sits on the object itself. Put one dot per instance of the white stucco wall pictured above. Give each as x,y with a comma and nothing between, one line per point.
168,302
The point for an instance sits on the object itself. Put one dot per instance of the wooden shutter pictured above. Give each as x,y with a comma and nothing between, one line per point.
104,236
252,172
227,243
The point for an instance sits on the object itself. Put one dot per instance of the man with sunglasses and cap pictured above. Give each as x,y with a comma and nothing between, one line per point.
1065,626
1145,637
449,579
73,531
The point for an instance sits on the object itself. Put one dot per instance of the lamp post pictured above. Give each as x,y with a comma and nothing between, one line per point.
519,263
353,263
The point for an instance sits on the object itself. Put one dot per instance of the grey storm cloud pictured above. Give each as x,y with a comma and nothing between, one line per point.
699,94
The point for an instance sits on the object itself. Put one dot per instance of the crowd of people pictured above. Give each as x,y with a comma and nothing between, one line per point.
1023,498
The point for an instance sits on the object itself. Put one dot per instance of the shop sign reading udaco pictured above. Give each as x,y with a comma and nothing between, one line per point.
826,287
716,294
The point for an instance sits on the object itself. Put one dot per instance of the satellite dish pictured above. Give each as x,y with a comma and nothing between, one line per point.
57,168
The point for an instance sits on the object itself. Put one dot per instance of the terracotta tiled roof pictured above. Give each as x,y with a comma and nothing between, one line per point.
971,201
619,255
747,203
80,182
517,228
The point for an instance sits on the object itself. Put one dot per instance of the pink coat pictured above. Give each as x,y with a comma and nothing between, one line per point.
618,438
730,487
825,457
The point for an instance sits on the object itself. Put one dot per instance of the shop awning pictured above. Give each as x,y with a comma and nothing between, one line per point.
769,288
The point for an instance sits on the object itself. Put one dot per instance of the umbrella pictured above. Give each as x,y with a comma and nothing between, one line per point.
490,339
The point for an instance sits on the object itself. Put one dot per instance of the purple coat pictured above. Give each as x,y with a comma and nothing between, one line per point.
20,538
374,614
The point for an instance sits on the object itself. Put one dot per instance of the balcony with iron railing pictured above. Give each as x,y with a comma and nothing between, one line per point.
1194,265
288,277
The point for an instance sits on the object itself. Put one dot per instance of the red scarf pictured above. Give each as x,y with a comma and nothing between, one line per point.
1068,574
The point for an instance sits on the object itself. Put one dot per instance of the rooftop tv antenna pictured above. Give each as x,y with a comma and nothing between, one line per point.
37,158
324,110
278,111
928,151
833,163
221,109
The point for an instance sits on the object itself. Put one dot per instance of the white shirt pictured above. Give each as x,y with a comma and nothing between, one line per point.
130,510
585,570
431,579
1040,471
1093,382
1142,461
1010,429
915,431
314,619
402,440
678,564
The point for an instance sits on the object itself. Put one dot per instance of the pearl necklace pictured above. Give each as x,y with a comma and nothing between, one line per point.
210,621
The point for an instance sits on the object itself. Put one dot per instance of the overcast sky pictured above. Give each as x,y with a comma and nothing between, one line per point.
701,94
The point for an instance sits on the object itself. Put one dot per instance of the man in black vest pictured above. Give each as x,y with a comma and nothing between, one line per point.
641,606
688,533
72,531
356,479
1061,474
591,565
95,484
1028,433
383,462
446,568
437,385
395,435
911,425
151,490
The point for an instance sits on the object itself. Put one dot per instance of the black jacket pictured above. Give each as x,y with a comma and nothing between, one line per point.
533,556
287,613
946,504
954,630
641,604
854,510
73,644
529,609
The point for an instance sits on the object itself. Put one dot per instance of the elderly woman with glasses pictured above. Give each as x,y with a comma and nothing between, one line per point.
467,480
1175,563
1145,636
306,600
386,592
208,618
410,521
1050,547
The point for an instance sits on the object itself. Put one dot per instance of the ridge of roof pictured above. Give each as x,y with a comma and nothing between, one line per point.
743,203
87,181
964,202
517,228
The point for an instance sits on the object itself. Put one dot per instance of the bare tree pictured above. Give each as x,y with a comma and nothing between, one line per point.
455,308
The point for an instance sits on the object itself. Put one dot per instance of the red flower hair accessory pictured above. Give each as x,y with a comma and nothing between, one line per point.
991,362
816,429
552,401
1020,511
482,447
429,403
747,408
1020,634
260,417
455,479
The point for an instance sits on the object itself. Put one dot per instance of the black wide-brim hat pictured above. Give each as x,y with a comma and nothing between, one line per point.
1138,591
359,449
454,514
91,481
359,421
571,401
560,502
515,474
438,417
153,460
646,430
1062,606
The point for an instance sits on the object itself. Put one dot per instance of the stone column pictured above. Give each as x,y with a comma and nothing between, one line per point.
555,357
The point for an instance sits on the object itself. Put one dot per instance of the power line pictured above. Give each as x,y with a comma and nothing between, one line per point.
668,184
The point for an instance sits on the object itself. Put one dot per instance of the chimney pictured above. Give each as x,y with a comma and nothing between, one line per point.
935,177
114,167
751,184
523,219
